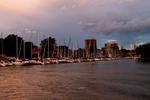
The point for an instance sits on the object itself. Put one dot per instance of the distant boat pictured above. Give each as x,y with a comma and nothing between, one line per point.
65,60
18,62
32,62
2,64
50,61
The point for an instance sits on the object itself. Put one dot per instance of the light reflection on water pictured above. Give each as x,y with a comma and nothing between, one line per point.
110,80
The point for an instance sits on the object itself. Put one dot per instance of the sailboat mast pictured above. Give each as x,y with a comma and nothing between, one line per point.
78,51
69,47
24,49
16,47
38,46
48,48
31,50
2,43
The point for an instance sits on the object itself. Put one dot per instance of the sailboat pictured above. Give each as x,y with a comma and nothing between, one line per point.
34,61
18,62
2,63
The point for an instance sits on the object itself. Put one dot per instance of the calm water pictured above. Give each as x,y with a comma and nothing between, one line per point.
110,80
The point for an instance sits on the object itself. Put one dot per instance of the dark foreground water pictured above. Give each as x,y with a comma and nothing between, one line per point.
110,80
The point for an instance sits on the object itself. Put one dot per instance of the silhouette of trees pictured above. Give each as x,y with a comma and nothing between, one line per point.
124,52
13,46
144,52
47,47
1,46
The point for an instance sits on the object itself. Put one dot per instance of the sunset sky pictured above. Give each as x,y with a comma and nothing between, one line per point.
127,21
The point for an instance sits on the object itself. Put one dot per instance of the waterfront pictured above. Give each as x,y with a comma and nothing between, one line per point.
104,80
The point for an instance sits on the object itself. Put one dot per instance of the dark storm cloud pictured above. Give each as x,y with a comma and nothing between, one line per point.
135,25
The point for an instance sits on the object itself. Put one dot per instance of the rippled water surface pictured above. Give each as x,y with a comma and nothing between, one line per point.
110,80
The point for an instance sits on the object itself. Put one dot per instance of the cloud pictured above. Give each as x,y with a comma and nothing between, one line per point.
119,16
135,25
20,8
77,18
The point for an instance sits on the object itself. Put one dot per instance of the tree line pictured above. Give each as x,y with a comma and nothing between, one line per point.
144,52
15,46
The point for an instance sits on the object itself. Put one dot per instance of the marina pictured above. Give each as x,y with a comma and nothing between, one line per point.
75,50
18,62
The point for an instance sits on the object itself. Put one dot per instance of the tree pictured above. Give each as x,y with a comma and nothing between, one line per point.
47,47
124,52
144,52
13,46
1,46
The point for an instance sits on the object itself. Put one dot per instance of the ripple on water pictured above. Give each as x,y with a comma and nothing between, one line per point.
111,80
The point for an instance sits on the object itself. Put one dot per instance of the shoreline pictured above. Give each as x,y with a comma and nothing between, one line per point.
50,61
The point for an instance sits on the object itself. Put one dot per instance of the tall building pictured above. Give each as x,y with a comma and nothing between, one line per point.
90,47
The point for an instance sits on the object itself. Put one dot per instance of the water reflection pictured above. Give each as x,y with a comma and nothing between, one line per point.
124,79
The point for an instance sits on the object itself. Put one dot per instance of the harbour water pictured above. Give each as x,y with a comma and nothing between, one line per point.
104,80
